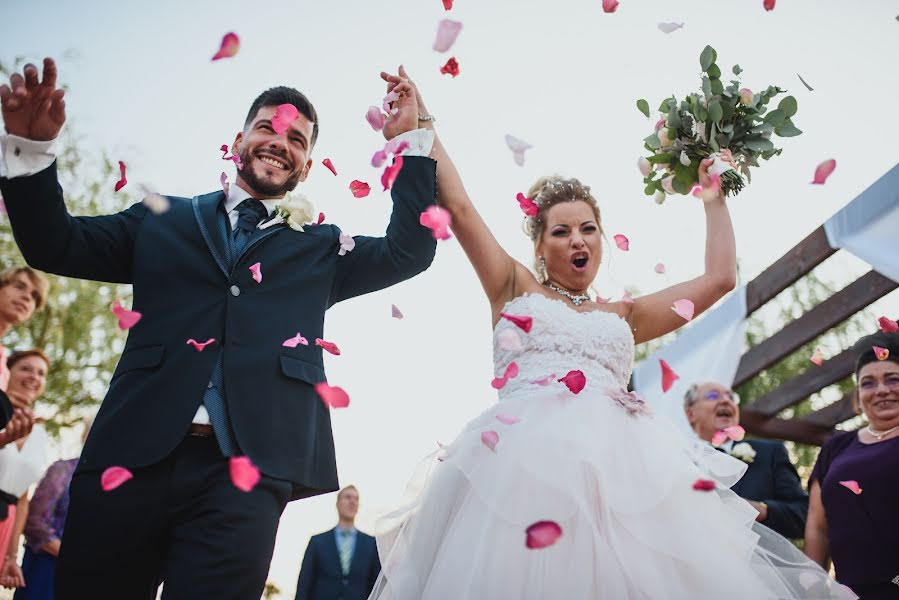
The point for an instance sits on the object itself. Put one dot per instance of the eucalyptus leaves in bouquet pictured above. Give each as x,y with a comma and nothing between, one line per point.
703,124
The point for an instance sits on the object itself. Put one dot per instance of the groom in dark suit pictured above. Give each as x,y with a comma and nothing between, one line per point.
770,483
341,563
205,376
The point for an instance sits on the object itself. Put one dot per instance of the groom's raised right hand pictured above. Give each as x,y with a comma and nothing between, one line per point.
33,109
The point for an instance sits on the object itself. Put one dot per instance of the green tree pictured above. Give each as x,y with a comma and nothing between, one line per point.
271,591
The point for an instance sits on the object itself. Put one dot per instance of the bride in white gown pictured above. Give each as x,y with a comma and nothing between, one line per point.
591,464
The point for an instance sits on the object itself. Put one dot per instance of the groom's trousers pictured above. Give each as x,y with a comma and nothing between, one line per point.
180,521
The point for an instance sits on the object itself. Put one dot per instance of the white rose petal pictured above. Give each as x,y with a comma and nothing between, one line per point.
684,159
668,183
644,166
659,197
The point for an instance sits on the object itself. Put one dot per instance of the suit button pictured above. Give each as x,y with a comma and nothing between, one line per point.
210,385
235,291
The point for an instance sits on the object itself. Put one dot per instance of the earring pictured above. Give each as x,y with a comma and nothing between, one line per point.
543,267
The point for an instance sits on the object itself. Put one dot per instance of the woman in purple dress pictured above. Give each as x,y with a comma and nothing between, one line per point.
854,487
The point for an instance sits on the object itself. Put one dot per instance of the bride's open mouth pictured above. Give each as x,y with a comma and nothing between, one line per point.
579,261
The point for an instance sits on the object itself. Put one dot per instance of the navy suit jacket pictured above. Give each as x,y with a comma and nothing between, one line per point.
321,577
184,289
771,478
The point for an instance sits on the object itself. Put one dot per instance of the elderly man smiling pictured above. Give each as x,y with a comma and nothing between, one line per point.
771,483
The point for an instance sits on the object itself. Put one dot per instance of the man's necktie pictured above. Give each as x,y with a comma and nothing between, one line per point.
250,213
345,549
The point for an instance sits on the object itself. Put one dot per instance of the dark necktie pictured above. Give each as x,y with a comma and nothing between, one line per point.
250,213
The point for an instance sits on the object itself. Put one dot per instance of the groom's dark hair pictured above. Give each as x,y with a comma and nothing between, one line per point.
285,95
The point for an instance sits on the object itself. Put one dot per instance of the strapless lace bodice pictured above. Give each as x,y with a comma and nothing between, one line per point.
562,339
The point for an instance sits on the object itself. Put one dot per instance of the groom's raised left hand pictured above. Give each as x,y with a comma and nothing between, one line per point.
406,117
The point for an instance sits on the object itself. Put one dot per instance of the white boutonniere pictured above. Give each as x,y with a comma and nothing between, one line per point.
744,452
296,210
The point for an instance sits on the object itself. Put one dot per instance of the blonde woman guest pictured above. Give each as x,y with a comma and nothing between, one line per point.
22,462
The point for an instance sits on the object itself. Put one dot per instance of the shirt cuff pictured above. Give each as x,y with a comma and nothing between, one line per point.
20,156
420,141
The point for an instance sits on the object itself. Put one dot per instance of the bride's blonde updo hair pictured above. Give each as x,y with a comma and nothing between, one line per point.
546,193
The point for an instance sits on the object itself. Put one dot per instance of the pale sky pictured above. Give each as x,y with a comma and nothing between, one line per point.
562,75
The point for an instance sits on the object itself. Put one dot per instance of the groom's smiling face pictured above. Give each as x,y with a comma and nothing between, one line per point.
273,163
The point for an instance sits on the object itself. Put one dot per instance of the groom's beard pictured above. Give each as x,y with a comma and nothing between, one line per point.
265,186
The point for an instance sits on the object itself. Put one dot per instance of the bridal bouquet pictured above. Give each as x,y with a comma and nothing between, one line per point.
703,124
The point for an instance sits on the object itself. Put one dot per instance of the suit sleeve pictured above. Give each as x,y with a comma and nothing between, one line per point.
307,572
408,247
788,509
98,248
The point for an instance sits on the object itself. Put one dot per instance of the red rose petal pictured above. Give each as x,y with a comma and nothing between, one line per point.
127,318
229,47
525,323
511,373
244,474
575,380
824,170
360,189
450,68
447,4
704,485
668,375
122,181
527,205
327,162
609,6
390,173
321,218
769,4
542,534
327,346
887,325
113,477
332,396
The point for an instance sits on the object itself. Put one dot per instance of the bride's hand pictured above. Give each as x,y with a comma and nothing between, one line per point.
705,180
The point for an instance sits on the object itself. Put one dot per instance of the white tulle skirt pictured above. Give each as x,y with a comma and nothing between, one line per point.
621,488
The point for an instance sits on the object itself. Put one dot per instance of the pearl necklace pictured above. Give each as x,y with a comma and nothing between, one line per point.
881,434
577,300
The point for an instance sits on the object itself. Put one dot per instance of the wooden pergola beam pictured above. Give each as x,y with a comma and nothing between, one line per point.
785,429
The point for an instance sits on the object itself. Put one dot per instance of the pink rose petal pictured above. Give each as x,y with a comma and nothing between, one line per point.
545,381
226,187
113,477
769,4
627,298
297,340
234,157
696,191
507,419
321,218
817,357
122,181
542,534
609,6
437,220
332,396
387,102
229,47
622,242
575,380
347,243
447,4
684,308
390,173
887,325
490,439
447,32
824,170
659,268
704,485
256,272
734,432
360,189
200,346
327,162
527,205
285,114
396,147
395,312
852,486
511,373
508,339
881,353
244,474
524,323
327,346
375,118
668,375
127,318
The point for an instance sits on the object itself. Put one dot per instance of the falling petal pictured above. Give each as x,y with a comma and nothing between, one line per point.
327,162
881,353
887,325
507,419
734,432
447,4
508,339
621,241
524,323
823,171
668,375
517,147
807,86
659,268
388,100
852,486
390,173
575,381
360,189
200,346
229,47
256,272
542,534
375,118
684,308
395,312
670,27
490,439
122,181
127,318
450,68
327,346
244,474
704,485
545,381
347,243
285,114
113,477
297,340
609,6
447,32
234,157
627,298
321,218
769,4
511,373
332,396
527,205
437,220
817,357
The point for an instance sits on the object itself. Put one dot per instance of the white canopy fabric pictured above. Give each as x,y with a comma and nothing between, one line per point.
868,227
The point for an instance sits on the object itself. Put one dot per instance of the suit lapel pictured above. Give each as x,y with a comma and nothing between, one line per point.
335,551
206,212
258,236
